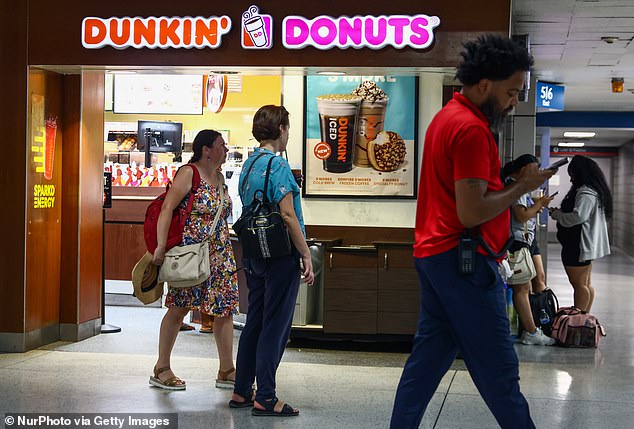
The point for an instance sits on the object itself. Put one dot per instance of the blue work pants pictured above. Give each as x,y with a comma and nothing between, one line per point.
466,313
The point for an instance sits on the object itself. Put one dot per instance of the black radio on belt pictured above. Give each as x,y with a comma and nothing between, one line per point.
467,249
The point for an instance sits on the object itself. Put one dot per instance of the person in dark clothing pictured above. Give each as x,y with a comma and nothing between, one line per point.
582,227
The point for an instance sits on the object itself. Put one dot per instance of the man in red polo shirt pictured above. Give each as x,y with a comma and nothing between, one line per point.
460,188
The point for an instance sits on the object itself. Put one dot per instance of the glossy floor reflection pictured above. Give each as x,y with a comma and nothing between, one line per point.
566,388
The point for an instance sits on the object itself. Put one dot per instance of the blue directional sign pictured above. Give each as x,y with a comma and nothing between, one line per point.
549,96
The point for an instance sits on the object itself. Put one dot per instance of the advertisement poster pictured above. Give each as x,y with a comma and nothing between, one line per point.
361,136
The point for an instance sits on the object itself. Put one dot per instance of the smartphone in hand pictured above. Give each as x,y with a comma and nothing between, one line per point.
556,165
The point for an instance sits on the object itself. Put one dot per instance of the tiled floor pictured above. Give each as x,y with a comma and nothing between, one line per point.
566,388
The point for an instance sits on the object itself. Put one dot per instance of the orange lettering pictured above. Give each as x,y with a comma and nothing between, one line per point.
167,30
120,39
207,30
144,31
187,32
90,25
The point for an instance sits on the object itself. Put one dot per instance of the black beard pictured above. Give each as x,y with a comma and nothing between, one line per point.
494,115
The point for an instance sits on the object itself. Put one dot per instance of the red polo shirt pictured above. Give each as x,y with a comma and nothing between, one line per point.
458,145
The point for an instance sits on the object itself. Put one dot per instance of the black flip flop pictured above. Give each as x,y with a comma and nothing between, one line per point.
242,404
269,410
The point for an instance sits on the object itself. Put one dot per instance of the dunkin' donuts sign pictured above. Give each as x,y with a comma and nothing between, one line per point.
325,32
322,32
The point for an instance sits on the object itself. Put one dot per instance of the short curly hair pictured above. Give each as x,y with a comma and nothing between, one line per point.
492,57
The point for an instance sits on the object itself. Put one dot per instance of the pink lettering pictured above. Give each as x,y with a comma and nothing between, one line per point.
325,32
352,31
326,23
420,30
296,32
375,32
398,24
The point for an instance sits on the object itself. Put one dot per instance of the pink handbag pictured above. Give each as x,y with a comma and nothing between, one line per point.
575,328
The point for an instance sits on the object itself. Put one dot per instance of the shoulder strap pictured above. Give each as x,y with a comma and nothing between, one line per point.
220,206
195,186
266,180
249,171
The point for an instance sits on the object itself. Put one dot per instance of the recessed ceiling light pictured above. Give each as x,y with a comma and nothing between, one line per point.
609,39
331,73
121,71
223,72
579,134
571,144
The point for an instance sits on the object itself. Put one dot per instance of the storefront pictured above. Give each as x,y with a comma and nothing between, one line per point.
57,55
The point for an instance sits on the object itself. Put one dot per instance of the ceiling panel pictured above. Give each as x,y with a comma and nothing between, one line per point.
566,44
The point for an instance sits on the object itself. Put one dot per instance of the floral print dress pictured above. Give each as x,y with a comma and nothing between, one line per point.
218,295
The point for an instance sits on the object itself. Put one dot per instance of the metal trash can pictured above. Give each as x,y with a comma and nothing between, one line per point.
310,298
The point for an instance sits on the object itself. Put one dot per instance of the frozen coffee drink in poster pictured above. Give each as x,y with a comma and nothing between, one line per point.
338,115
371,119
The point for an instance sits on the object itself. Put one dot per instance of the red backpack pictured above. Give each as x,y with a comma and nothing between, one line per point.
179,217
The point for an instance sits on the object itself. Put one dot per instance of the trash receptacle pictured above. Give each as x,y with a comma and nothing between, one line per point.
309,297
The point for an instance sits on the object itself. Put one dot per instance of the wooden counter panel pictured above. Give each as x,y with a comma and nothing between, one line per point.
350,300
346,322
398,301
350,278
133,205
397,323
351,235
397,256
336,260
398,279
124,246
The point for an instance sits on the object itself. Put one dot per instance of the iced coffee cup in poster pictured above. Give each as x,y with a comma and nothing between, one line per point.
49,153
338,115
371,119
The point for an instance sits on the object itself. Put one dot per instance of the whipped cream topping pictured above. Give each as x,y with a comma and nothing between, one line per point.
370,92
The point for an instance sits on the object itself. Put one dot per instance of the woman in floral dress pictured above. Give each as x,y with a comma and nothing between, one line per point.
218,295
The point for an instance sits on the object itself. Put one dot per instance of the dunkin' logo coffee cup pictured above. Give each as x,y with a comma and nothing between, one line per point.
255,28
338,115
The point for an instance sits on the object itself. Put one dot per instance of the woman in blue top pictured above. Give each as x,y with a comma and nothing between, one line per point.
273,282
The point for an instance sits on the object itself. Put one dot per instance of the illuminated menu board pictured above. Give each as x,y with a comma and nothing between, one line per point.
158,94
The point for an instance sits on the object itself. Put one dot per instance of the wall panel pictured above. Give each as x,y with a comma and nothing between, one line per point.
13,108
91,196
43,200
